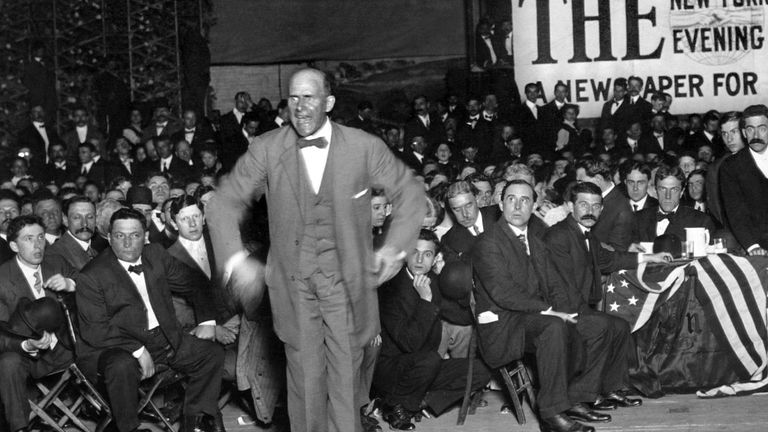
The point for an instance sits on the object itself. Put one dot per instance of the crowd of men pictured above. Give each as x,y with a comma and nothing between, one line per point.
524,209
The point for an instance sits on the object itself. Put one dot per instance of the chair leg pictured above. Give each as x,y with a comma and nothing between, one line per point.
39,412
465,402
512,390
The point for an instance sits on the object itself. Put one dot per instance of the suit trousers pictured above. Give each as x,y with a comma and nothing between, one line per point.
326,384
413,378
15,369
200,360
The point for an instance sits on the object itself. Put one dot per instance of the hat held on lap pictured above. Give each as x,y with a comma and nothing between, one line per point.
32,318
456,280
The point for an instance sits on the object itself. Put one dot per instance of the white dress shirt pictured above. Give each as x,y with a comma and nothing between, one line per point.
478,227
141,287
487,41
86,167
638,205
82,133
51,238
238,115
165,163
40,128
198,252
189,135
761,160
316,158
616,105
84,245
661,226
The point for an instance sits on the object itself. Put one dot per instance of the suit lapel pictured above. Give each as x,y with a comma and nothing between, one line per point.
19,282
289,158
122,276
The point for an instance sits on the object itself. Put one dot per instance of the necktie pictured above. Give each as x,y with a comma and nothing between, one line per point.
475,230
631,101
521,237
660,216
38,283
91,252
136,269
42,126
586,237
84,171
634,207
316,142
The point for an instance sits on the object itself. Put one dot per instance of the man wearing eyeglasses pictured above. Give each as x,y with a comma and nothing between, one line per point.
744,184
670,217
576,252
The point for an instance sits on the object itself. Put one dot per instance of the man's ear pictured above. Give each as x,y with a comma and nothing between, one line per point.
14,246
65,221
570,207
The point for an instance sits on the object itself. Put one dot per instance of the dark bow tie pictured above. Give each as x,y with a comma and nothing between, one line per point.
136,269
615,102
317,142
42,126
660,216
189,130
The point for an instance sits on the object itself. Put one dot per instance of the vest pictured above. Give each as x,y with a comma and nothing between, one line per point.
318,241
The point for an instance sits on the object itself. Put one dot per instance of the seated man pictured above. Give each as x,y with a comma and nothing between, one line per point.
670,217
127,325
576,253
524,306
27,276
410,374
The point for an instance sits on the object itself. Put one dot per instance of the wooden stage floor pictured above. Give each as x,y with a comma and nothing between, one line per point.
671,413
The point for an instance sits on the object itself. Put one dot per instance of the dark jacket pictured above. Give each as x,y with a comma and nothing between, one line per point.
614,227
744,193
684,217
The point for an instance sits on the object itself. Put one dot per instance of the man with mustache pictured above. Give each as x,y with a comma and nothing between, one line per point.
744,184
576,252
74,246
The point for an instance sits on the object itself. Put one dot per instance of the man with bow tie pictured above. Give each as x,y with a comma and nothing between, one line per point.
670,217
485,53
163,124
83,131
59,170
322,271
38,136
195,132
128,326
616,113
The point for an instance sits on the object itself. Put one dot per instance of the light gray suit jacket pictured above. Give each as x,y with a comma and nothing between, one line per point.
272,166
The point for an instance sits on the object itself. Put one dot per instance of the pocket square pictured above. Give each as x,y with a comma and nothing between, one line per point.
487,317
359,194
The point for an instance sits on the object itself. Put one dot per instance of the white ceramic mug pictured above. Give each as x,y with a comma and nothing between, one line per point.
699,236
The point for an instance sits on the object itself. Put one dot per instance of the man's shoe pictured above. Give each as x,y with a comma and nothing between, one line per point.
581,412
399,418
217,423
562,423
368,417
623,401
602,405
194,423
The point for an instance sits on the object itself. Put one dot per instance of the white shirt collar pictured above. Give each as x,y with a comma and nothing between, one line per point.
38,124
85,127
640,203
192,245
479,222
87,166
51,238
29,272
517,231
559,104
166,161
582,228
531,104
127,264
634,98
607,191
84,245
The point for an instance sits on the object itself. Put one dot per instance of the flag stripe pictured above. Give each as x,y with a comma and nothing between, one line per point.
738,300
734,285
752,289
721,301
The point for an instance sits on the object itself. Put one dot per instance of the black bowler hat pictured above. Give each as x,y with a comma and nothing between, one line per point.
32,318
456,280
139,195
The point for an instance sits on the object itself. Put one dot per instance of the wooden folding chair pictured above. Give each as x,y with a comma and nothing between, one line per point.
57,411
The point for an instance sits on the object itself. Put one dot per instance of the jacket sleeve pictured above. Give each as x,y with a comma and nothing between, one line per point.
498,280
736,207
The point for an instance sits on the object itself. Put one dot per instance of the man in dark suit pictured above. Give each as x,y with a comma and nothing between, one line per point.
485,53
615,227
124,165
616,113
657,140
471,220
231,123
9,209
28,276
524,306
363,120
38,135
528,123
95,171
636,178
730,131
162,124
194,132
709,135
410,369
576,253
422,123
670,217
744,184
170,165
414,157
59,170
611,145
238,143
74,246
318,187
551,113
126,320
640,109
472,129
84,131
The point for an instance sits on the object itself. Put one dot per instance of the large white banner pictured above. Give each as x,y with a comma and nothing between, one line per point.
708,54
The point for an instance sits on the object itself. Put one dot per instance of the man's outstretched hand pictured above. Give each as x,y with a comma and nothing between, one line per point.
387,262
246,284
